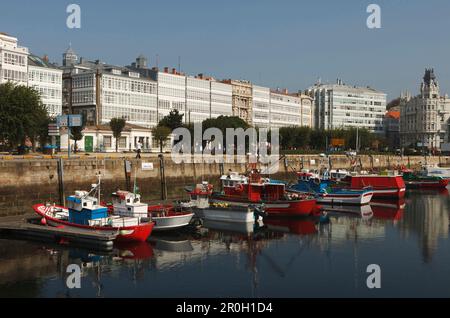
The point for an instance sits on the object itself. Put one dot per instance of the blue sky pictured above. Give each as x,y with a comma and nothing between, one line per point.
279,43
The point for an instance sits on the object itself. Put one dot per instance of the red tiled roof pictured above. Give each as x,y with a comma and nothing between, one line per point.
393,114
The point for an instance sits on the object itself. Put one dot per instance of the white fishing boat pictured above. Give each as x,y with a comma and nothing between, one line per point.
216,210
165,217
436,171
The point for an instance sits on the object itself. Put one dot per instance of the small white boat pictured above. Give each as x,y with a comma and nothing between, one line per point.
216,210
436,171
165,217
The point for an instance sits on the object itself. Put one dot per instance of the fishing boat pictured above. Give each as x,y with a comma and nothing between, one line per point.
325,193
165,217
436,171
211,209
383,186
241,190
414,180
86,214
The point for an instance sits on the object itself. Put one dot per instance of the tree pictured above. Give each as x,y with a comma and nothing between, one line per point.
22,115
173,121
76,134
224,122
161,133
117,125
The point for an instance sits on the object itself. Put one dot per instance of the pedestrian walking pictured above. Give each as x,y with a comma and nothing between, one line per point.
138,150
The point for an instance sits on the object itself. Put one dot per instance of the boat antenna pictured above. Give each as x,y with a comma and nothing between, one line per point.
134,186
99,176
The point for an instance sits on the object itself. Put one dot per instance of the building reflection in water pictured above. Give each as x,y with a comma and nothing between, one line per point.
426,217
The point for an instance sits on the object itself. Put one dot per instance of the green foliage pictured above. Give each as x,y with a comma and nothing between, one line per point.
224,122
22,115
173,121
161,134
117,125
305,138
76,134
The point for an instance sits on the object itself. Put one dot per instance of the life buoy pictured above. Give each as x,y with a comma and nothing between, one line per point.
239,187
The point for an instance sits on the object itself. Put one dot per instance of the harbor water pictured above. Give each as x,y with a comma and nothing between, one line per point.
309,257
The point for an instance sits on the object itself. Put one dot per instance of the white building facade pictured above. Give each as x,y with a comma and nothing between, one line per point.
285,109
46,78
344,106
13,61
221,99
171,92
100,138
101,92
425,118
198,99
261,107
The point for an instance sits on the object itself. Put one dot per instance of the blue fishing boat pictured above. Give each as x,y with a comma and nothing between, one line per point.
325,193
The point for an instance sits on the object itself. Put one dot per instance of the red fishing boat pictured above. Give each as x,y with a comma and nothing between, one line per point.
85,213
416,181
383,187
128,230
240,190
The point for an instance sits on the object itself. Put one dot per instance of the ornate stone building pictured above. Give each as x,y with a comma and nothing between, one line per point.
424,119
242,99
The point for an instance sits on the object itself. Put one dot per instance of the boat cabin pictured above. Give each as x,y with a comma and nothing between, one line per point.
254,187
339,174
199,196
84,208
129,204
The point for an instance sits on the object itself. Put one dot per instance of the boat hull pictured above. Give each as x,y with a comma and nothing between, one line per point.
232,215
432,184
138,233
346,199
383,187
274,208
172,222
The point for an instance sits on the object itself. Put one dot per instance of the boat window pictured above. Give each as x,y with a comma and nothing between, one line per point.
128,200
84,203
129,208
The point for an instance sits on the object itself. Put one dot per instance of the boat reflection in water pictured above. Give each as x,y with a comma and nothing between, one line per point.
343,224
292,226
388,210
234,227
171,244
364,211
138,250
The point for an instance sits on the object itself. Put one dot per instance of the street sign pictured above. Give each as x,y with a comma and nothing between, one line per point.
69,120
75,121
53,129
147,166
62,121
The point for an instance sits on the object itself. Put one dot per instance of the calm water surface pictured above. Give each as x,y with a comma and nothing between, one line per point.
284,258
